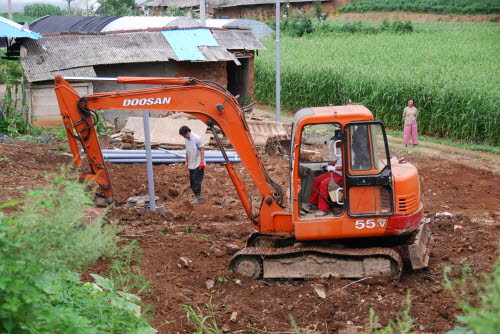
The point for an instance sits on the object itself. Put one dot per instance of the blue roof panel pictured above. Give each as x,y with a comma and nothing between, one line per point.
11,29
186,42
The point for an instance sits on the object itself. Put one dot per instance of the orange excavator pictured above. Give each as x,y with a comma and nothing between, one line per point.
375,224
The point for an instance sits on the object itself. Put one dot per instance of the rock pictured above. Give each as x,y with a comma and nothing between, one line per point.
210,284
443,214
319,290
349,329
219,253
232,248
173,192
187,292
214,249
457,227
127,138
226,328
46,139
234,315
437,289
184,262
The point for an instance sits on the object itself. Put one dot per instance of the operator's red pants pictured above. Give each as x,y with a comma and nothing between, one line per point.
319,192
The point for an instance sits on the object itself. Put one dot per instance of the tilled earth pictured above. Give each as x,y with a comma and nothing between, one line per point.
202,234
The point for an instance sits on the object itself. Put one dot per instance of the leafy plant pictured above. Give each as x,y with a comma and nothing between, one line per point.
479,300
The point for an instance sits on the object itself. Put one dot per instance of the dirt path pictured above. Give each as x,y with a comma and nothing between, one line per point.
482,160
469,237
403,16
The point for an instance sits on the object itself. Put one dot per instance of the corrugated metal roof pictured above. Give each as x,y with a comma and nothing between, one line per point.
11,29
57,24
237,40
79,52
259,29
71,51
215,54
186,42
144,22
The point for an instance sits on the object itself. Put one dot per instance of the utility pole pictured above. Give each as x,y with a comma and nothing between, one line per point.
202,13
10,11
278,63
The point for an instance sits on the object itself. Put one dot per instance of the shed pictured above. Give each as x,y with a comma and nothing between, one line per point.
224,56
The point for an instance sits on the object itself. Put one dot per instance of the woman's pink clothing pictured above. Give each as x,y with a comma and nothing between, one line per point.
411,131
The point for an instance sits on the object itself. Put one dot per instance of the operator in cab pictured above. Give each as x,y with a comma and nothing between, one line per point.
319,192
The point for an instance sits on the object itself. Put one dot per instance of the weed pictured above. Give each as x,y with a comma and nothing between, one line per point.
203,324
126,273
404,323
4,159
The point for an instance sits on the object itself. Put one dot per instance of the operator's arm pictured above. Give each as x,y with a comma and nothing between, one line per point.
404,114
202,153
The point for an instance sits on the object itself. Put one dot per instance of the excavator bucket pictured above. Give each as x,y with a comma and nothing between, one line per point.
418,252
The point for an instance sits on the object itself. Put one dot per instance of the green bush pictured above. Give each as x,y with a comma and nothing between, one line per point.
38,248
42,9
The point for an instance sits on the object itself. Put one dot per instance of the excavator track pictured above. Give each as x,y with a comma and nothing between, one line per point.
318,261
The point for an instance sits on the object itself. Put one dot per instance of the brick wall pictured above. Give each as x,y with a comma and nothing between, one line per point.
214,71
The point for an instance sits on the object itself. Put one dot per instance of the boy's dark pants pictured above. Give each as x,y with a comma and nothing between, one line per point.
195,180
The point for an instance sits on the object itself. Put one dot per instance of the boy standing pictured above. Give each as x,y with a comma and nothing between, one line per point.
195,161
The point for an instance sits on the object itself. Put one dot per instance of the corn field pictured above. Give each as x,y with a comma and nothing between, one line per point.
450,69
425,6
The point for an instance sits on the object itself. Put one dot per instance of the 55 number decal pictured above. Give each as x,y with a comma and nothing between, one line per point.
370,223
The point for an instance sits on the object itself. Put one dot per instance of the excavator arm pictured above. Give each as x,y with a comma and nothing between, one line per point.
206,101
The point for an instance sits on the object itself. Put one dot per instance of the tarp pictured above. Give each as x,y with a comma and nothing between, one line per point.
186,42
57,24
11,29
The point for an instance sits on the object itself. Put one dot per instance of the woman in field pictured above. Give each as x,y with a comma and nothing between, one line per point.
410,115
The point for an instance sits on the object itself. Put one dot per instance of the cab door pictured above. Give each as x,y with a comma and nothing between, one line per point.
368,179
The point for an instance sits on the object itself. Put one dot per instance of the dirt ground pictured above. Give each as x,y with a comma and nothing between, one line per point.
240,305
402,16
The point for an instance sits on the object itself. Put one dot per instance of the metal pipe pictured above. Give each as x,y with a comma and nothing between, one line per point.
202,13
278,63
149,162
167,161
